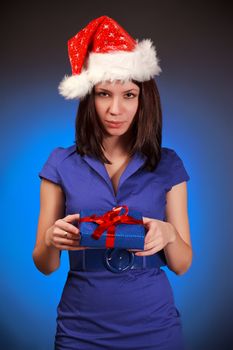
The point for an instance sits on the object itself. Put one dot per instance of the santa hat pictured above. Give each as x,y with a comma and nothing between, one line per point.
104,51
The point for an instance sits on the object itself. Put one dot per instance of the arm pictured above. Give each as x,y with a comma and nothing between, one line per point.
178,251
52,207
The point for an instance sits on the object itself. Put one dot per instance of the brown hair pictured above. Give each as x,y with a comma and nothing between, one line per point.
146,127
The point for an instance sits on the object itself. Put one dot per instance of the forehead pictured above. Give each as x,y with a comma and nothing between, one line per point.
117,85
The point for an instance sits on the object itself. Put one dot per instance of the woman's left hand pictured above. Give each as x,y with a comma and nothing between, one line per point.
159,234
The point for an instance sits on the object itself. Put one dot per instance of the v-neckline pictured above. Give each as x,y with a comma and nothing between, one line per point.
129,160
136,162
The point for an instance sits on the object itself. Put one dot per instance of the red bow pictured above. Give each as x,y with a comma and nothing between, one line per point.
108,221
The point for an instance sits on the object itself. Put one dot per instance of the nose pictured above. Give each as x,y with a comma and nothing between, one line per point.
115,106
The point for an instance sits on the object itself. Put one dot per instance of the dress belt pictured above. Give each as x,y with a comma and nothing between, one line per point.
114,259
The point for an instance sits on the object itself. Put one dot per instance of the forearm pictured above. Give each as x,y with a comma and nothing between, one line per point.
46,259
178,253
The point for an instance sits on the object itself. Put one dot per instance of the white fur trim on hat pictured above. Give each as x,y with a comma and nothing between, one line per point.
75,86
141,64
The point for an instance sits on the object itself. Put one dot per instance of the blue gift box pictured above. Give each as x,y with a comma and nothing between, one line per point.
127,235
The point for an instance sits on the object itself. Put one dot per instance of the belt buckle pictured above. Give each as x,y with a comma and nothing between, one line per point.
118,260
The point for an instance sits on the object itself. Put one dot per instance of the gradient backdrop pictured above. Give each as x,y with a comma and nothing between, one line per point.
193,42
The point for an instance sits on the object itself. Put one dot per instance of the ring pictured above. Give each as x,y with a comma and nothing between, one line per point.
66,234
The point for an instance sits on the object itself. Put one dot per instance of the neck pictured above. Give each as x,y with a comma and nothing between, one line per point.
116,146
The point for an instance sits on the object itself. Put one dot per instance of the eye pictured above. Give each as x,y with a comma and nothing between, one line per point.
101,93
130,93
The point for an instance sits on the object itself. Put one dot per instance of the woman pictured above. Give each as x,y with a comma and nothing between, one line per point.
117,160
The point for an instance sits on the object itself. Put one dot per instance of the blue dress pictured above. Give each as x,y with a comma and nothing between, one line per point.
101,309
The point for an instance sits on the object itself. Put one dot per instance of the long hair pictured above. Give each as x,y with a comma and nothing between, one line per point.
146,128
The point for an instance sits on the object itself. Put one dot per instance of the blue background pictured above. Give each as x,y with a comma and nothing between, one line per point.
192,40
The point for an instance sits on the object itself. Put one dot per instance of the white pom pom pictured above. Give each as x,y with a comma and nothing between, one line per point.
75,86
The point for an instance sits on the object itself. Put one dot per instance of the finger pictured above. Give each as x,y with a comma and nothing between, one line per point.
151,244
133,250
149,221
146,220
71,236
72,217
67,247
65,234
149,251
150,236
65,226
75,237
66,241
145,253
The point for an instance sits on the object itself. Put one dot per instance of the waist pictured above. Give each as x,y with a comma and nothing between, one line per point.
116,260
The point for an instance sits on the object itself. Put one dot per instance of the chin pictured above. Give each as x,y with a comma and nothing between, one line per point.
116,131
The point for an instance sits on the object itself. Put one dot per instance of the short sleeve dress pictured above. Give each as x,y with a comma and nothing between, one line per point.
105,310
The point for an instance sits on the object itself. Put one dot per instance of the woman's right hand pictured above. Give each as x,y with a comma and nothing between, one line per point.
63,235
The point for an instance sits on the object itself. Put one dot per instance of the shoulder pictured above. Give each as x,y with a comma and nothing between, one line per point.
172,167
170,157
55,167
169,154
59,154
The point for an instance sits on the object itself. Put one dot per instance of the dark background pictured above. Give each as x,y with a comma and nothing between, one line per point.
194,43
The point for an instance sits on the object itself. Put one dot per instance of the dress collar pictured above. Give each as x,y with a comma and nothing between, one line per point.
136,161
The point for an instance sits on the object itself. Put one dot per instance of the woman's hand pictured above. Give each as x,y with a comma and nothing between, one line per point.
159,234
64,235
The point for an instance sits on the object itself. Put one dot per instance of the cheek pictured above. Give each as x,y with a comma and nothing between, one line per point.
99,109
133,110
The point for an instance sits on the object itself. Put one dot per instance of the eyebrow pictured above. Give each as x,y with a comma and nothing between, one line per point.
110,91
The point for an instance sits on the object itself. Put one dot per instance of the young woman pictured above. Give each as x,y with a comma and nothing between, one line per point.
117,159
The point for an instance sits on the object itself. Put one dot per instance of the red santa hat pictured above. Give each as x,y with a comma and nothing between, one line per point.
104,51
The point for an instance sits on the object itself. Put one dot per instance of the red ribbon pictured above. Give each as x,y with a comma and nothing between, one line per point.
108,221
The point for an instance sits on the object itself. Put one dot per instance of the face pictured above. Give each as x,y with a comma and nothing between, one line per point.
116,104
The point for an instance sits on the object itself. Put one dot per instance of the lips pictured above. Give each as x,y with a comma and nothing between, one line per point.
114,125
112,122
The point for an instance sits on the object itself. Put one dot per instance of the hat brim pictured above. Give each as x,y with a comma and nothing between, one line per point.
141,64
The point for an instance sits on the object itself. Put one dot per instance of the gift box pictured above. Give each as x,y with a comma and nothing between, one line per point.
120,227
